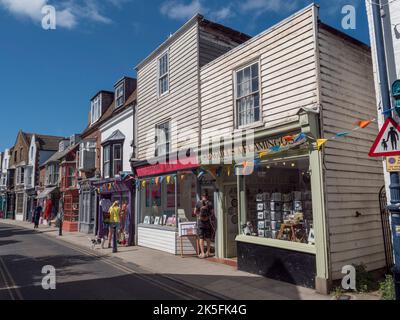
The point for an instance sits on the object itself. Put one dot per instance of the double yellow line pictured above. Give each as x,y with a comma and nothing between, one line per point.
9,282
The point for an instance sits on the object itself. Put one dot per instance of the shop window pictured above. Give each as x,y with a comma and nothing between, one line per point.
161,206
20,203
247,95
278,202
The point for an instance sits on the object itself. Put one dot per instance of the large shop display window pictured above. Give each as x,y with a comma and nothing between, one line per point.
279,204
167,200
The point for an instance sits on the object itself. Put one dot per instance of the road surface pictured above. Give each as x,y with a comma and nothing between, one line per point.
80,272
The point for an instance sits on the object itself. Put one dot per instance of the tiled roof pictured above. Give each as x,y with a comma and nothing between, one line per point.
48,143
59,155
111,111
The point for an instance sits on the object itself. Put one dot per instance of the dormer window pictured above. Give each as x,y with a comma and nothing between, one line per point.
120,95
163,74
95,109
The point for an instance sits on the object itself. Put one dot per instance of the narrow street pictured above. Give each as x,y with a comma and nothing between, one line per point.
80,274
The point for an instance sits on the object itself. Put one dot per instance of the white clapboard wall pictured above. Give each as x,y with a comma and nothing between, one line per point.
165,240
352,179
288,76
195,44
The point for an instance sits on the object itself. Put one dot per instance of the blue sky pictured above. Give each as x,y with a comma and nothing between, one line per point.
48,77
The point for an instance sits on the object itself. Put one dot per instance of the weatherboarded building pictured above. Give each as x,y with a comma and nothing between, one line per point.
303,214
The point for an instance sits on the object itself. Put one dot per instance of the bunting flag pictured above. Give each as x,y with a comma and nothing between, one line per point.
360,124
288,138
168,179
363,124
144,184
157,180
300,137
342,134
320,143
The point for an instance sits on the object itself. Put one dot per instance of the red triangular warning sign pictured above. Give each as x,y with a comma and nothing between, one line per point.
387,142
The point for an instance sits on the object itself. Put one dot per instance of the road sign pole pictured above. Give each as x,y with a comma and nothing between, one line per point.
394,187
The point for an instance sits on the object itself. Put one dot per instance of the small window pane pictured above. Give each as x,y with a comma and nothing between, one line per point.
254,70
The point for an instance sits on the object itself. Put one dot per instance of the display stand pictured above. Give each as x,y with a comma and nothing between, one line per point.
197,244
188,230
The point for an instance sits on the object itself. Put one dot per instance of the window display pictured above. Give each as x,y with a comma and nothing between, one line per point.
161,206
279,204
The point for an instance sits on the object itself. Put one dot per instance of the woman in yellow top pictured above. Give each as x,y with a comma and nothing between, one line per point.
115,214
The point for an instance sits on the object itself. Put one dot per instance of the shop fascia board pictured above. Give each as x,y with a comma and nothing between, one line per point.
308,123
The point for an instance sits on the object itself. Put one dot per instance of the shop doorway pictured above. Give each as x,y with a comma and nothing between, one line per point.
231,219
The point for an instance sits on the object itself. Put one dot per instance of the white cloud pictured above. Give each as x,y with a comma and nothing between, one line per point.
69,13
184,10
222,13
24,8
261,6
180,10
66,19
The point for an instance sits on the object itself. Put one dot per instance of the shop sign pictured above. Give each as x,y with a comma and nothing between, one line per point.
221,154
393,164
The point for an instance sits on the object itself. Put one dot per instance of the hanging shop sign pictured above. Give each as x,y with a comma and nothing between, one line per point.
393,164
387,142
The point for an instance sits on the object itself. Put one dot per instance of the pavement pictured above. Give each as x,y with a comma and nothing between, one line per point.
202,278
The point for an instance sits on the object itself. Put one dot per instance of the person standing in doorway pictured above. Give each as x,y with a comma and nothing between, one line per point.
115,217
36,216
204,211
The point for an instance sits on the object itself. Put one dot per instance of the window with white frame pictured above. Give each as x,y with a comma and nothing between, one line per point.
248,95
112,159
162,139
117,159
120,96
85,148
95,109
52,174
20,175
106,161
163,74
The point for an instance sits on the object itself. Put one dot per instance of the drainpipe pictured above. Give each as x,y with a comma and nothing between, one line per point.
394,207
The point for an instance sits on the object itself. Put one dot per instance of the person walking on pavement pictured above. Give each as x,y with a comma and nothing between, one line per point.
115,216
204,211
36,216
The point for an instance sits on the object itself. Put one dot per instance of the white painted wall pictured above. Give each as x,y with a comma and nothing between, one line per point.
124,123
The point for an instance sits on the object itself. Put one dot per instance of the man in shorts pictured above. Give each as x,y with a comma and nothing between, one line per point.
204,211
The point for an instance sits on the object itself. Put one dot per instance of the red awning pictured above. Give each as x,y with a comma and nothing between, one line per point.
163,168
